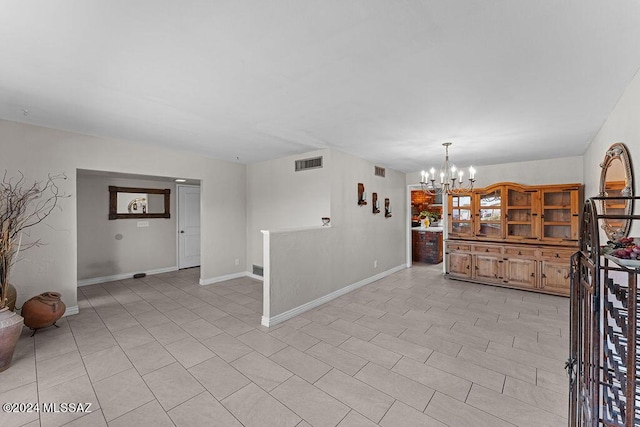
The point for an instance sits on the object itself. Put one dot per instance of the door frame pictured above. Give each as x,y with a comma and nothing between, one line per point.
178,221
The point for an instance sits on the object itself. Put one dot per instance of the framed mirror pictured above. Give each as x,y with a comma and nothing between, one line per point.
616,180
130,202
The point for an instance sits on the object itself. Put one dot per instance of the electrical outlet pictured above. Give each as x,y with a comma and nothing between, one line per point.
143,223
237,261
375,264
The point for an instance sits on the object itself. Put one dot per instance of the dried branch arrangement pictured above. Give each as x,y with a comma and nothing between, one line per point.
22,205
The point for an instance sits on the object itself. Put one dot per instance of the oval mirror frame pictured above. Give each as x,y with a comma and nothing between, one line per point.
616,229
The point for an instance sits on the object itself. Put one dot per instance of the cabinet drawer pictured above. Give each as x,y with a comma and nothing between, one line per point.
528,252
556,254
458,247
488,249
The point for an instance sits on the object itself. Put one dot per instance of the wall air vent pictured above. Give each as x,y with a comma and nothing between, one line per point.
305,164
379,171
258,271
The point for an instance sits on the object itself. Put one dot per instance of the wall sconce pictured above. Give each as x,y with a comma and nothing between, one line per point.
375,203
362,195
387,208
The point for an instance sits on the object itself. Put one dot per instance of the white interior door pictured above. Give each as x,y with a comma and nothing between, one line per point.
188,226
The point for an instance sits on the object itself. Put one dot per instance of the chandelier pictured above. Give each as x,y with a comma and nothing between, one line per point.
449,179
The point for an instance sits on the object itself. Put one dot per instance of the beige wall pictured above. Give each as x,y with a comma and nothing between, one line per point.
622,125
141,249
307,265
279,197
53,267
565,170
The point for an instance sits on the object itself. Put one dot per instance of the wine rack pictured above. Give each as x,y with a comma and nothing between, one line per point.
604,361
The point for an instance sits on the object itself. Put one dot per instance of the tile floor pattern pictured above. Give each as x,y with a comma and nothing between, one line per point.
413,349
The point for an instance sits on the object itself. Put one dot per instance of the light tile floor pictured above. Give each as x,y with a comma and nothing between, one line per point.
412,349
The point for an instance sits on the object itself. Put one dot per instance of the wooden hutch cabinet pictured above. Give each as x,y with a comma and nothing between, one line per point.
514,235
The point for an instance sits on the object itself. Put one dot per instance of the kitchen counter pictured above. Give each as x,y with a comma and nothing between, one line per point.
429,229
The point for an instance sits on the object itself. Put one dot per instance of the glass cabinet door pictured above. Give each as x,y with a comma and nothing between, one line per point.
460,214
489,221
559,221
521,217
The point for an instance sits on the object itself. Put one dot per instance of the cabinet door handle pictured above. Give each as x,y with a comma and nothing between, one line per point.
467,267
544,276
519,252
533,274
486,250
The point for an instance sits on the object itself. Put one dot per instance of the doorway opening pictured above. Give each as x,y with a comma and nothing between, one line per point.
426,227
116,249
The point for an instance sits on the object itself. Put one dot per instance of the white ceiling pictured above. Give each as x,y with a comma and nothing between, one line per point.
385,80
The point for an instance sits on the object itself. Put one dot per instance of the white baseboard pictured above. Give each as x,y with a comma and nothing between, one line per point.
70,311
217,279
279,318
96,280
212,280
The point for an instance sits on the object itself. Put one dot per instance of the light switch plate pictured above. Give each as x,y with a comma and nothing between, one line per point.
143,223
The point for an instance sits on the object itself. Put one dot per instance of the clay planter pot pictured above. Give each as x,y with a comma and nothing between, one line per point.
10,328
43,310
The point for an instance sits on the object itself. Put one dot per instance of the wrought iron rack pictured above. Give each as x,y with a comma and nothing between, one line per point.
604,359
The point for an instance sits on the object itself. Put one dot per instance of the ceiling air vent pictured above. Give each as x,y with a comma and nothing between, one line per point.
305,164
379,171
